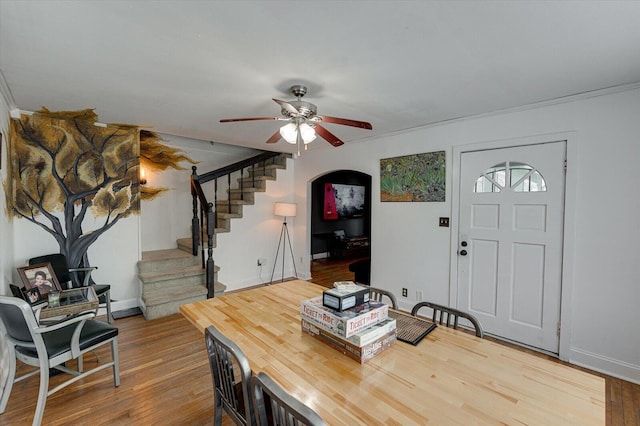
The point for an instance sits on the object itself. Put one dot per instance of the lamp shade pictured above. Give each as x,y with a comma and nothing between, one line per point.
307,132
289,133
285,209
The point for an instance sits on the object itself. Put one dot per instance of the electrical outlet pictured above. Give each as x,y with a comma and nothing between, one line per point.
404,292
419,295
261,261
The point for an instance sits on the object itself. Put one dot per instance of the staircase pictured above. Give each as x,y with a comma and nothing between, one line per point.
174,277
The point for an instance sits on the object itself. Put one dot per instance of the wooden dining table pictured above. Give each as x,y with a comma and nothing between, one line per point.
450,377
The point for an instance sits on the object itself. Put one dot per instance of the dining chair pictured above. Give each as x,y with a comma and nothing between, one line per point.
231,371
75,277
379,294
275,406
49,347
440,312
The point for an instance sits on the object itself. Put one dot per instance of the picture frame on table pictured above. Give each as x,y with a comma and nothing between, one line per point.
16,291
33,296
40,275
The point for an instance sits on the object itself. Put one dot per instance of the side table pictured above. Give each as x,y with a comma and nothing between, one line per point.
72,301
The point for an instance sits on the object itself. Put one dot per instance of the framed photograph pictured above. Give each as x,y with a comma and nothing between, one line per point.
40,276
33,296
16,291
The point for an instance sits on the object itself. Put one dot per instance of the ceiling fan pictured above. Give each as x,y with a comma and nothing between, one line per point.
303,122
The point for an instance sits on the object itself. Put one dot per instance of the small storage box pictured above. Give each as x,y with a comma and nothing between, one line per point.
345,296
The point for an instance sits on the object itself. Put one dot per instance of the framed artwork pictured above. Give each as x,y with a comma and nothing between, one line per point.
416,178
33,296
16,291
40,276
343,201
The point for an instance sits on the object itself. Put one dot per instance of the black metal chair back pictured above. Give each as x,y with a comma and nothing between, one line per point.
444,314
231,372
379,294
275,406
75,277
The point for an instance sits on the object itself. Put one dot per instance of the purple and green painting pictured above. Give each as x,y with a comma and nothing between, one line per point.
416,178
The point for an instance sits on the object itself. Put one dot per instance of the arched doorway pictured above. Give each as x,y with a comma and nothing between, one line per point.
334,216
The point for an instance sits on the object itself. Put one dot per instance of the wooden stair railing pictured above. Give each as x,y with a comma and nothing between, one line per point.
205,215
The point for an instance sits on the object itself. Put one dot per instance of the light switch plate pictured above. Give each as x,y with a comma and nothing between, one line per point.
444,221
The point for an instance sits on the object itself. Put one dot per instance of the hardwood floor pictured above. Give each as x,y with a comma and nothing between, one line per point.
165,379
325,272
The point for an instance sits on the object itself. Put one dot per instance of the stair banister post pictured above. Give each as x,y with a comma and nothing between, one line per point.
210,263
214,206
195,230
253,175
203,227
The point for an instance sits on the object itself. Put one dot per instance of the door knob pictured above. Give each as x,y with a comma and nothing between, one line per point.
463,252
463,244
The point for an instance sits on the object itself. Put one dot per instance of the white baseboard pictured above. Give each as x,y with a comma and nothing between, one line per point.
319,256
304,276
603,364
119,305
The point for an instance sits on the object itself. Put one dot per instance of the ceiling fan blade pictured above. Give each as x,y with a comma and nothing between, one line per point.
328,136
229,120
345,121
287,106
275,137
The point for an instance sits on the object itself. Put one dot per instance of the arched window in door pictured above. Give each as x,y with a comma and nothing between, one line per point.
521,177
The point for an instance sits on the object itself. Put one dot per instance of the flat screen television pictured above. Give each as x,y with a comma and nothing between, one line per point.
343,201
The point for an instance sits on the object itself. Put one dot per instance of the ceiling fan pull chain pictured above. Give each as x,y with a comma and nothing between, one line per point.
299,136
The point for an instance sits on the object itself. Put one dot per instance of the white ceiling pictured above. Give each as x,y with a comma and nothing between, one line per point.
181,66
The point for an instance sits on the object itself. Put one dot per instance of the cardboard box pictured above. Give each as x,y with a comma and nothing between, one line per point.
341,299
369,334
343,323
374,332
361,354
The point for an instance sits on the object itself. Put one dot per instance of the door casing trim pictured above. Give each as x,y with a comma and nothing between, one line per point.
568,247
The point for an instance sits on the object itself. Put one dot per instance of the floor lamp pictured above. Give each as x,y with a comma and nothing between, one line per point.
285,210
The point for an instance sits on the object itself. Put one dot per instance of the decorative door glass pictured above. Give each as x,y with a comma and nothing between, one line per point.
521,177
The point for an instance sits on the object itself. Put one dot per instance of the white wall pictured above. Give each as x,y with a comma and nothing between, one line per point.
6,236
255,235
410,250
6,229
164,220
115,253
168,217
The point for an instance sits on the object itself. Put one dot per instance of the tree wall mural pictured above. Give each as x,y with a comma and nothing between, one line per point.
62,162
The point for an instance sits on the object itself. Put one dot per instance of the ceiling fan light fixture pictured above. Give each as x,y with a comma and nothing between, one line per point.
308,133
303,122
289,133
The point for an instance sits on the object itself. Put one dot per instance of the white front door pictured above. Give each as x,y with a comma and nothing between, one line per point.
510,241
